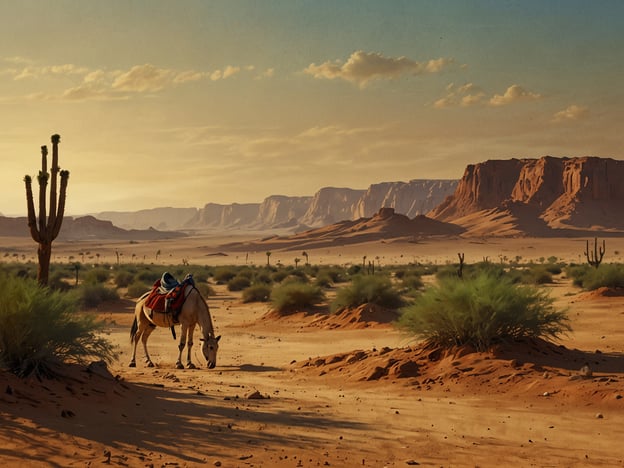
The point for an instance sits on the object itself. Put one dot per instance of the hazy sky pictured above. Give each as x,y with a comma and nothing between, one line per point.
181,103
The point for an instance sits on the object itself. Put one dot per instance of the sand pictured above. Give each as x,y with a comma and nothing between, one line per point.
299,391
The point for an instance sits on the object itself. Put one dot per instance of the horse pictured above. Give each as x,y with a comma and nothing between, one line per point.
194,311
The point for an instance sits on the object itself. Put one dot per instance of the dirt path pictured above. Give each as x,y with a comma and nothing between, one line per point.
167,417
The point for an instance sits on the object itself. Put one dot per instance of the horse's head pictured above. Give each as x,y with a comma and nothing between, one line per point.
210,347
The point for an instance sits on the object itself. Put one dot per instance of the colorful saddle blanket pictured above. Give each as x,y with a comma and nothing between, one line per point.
167,295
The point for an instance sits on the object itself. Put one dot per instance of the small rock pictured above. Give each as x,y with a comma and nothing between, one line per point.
217,463
599,416
586,371
255,395
618,397
411,462
546,394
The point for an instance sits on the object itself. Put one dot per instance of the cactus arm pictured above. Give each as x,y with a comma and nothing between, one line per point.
56,228
42,178
54,173
32,218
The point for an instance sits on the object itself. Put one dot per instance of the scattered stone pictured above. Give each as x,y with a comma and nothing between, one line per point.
217,463
255,395
618,397
411,462
599,416
586,371
245,457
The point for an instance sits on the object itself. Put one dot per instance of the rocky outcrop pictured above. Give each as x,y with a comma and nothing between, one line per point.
558,193
280,210
330,205
385,225
236,215
411,198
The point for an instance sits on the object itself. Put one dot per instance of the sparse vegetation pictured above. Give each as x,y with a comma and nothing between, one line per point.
481,311
258,292
367,289
610,275
39,329
292,296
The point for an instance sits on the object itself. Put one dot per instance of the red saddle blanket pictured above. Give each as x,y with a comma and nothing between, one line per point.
169,302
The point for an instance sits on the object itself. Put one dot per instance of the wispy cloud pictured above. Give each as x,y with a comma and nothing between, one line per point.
464,95
361,68
471,95
572,112
98,84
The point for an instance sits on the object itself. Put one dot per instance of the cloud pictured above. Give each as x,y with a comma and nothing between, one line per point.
572,112
465,95
363,67
469,94
141,78
515,93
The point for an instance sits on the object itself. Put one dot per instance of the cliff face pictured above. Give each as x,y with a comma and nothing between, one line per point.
562,192
411,198
330,205
158,218
281,210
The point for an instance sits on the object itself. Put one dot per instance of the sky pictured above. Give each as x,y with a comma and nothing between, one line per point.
183,103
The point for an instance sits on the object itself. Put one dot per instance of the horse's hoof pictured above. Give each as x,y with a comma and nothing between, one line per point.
190,365
132,364
179,365
150,364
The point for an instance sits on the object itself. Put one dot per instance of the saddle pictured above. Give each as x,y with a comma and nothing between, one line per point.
167,296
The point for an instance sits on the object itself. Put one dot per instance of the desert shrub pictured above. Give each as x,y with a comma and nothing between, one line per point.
279,276
91,295
224,274
149,276
205,289
123,279
609,275
577,273
367,289
60,281
263,277
258,292
411,281
137,288
323,280
96,276
292,296
40,329
238,283
481,311
539,274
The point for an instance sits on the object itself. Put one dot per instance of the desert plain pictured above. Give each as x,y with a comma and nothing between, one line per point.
305,390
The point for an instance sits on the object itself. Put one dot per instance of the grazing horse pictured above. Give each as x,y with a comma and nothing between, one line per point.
194,311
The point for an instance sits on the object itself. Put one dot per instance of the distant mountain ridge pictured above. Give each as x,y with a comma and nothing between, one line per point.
327,206
537,196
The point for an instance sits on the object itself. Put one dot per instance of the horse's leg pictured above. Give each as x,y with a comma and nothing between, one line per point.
147,331
181,345
189,346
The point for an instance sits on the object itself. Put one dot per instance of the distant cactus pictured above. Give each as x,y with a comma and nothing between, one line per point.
47,228
595,258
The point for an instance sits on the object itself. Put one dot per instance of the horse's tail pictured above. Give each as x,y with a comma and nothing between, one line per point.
134,329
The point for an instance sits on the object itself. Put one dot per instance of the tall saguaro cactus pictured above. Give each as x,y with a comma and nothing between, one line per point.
45,230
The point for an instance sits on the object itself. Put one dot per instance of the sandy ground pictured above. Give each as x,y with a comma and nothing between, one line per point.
490,411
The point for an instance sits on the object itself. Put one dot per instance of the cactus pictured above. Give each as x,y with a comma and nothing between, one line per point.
47,228
595,258
460,269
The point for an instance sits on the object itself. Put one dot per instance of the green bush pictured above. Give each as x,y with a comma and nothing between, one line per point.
258,292
293,296
137,288
238,283
91,295
367,289
123,279
609,275
481,311
96,276
224,274
40,329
